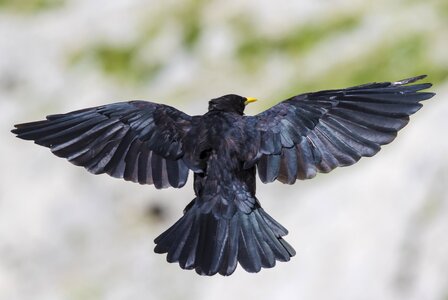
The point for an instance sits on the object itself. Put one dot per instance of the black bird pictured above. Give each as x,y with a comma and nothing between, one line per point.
224,225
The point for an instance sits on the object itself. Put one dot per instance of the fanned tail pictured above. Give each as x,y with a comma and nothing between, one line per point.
210,244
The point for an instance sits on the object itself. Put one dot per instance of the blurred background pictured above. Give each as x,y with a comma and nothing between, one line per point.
376,230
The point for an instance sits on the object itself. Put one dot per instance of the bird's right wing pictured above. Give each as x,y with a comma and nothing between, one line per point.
317,132
139,141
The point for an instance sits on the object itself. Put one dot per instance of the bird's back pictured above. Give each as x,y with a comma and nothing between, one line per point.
223,176
219,138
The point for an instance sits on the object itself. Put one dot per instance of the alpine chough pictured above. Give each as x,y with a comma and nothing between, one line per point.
224,225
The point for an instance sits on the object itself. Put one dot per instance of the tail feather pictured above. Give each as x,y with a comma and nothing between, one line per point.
230,258
211,244
248,255
188,255
266,253
275,226
179,242
222,234
273,236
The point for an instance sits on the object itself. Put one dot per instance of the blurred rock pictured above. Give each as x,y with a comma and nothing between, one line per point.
376,230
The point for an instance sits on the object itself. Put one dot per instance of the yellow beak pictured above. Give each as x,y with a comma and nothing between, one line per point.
249,100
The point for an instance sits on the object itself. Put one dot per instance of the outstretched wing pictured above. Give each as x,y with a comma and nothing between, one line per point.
139,141
317,132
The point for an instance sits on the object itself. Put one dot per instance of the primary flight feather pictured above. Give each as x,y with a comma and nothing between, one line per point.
224,225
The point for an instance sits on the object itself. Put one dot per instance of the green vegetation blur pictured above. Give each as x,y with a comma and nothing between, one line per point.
402,53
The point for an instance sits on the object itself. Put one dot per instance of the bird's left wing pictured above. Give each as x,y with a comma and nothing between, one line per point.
317,132
139,141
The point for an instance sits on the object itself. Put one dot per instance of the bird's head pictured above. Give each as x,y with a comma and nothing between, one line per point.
230,103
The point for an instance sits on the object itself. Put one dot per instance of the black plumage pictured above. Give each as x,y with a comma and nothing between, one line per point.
225,225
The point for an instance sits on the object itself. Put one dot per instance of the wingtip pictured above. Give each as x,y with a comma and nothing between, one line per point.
15,130
430,95
18,129
410,80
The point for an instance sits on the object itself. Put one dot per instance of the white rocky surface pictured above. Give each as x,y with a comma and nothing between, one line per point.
376,230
